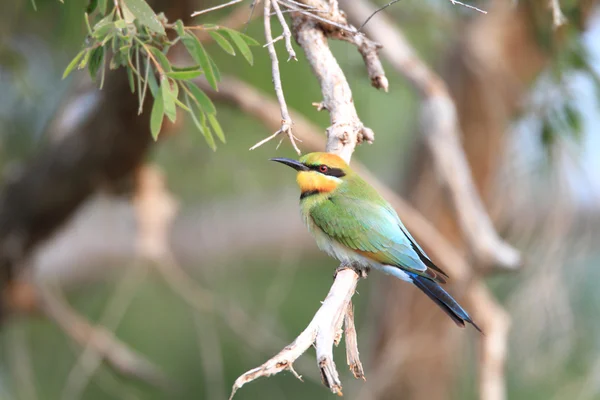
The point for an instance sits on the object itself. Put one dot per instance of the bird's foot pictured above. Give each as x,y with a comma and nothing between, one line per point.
361,271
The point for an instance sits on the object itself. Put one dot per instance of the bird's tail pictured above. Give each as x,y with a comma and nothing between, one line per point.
444,300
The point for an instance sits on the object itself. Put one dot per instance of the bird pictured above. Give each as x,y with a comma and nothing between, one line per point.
353,223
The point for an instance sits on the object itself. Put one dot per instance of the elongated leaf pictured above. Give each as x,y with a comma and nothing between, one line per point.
248,39
200,121
131,79
73,63
168,97
194,47
221,41
96,60
186,68
184,75
157,115
183,106
215,70
241,45
161,58
201,99
144,13
179,27
216,127
154,88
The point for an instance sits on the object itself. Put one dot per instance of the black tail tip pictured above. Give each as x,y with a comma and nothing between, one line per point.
475,326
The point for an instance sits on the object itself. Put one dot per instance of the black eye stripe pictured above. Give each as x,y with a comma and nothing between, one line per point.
337,172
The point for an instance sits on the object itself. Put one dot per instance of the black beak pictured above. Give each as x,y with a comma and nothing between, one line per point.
298,166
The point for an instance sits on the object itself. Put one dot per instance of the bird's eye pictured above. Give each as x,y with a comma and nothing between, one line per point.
323,168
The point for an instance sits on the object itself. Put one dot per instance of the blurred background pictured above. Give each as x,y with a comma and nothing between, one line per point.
197,261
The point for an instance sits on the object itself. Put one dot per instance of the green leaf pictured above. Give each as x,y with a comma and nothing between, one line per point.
74,63
215,70
131,80
194,47
184,75
216,127
96,60
154,89
201,99
161,58
102,6
91,6
168,97
185,68
144,13
221,41
121,24
241,44
157,115
84,61
179,28
200,121
248,39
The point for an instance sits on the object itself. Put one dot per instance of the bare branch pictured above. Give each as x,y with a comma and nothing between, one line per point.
346,130
286,32
352,345
321,331
454,2
116,354
286,120
232,2
442,133
336,26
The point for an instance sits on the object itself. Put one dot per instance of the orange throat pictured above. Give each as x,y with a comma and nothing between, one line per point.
312,181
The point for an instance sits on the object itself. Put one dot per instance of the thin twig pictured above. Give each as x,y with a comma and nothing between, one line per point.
89,360
454,2
375,12
286,120
232,2
116,354
286,32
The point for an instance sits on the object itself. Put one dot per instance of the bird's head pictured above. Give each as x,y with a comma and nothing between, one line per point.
318,172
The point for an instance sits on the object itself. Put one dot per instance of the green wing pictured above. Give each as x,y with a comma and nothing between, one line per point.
372,229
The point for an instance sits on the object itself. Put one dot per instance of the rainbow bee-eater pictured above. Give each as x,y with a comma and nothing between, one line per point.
353,223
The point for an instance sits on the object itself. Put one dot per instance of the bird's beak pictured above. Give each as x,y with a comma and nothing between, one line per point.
298,166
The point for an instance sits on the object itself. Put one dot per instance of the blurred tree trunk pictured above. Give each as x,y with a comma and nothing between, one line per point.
101,150
488,74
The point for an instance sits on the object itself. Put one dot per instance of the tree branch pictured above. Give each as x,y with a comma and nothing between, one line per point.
441,130
346,130
321,330
117,355
286,120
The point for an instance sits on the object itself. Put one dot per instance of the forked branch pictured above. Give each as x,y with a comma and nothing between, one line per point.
323,332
